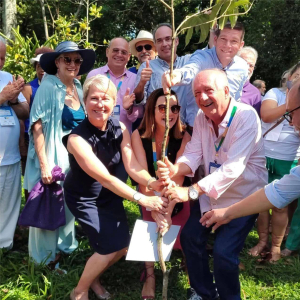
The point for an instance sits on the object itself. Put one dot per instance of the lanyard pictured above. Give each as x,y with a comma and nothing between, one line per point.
226,130
154,152
120,82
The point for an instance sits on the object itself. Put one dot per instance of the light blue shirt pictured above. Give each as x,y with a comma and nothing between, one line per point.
236,71
284,191
48,106
186,99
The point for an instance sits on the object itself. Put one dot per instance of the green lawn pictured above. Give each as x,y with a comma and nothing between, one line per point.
21,279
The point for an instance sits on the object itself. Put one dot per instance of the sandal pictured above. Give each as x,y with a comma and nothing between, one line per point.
144,277
259,250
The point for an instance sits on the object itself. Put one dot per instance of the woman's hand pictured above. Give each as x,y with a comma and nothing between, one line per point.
163,222
155,203
217,217
165,171
157,185
46,174
128,99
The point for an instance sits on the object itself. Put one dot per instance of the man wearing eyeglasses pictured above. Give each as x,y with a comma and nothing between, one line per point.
147,82
142,47
251,94
118,55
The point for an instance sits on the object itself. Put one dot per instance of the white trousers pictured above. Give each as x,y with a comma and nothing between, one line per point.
10,201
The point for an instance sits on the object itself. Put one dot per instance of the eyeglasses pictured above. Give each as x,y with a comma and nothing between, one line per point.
175,109
288,115
140,48
123,52
68,60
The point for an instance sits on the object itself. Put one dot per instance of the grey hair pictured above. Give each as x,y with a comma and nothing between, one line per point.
161,25
258,82
220,72
2,40
247,50
103,84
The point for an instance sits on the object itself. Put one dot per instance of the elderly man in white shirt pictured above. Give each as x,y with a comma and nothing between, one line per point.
13,105
227,138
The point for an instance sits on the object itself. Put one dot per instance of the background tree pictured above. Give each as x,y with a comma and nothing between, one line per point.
9,12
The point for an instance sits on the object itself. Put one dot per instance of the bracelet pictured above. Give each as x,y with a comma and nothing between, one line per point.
152,179
12,103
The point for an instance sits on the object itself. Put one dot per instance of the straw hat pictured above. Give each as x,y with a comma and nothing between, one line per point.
143,35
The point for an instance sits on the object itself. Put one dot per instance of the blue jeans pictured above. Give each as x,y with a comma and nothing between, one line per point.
229,241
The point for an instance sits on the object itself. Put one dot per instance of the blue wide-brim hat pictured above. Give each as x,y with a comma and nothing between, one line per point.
47,60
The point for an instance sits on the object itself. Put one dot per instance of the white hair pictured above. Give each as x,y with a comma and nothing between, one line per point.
2,40
247,50
102,83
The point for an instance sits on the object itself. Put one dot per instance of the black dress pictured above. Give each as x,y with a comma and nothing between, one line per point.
99,211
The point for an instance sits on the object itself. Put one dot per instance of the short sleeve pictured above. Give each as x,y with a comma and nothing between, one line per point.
271,95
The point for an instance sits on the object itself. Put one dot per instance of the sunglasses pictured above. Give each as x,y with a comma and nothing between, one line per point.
288,116
175,109
140,48
68,60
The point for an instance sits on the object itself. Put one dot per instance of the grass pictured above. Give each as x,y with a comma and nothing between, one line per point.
20,279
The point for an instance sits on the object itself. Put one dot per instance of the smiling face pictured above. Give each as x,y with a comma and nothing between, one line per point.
212,94
145,54
163,43
228,43
65,69
160,117
2,54
99,106
118,54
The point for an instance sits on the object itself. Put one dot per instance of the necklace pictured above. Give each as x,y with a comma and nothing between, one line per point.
70,95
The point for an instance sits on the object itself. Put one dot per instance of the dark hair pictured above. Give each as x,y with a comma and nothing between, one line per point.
238,26
147,126
161,25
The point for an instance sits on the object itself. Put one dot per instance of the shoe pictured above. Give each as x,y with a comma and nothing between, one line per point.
144,278
105,296
194,295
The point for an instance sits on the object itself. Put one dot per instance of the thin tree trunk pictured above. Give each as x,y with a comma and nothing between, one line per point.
9,17
87,20
44,19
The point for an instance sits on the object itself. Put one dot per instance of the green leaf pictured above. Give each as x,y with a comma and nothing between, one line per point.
189,35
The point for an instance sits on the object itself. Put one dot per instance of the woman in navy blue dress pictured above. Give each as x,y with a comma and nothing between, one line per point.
100,157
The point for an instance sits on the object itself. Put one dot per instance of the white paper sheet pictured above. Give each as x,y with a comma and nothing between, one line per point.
143,244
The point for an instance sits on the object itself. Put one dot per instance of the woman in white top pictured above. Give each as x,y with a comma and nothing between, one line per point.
282,152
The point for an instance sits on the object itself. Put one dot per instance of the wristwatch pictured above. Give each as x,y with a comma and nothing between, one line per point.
137,197
193,193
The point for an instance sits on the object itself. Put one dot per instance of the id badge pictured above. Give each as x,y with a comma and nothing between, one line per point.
6,116
213,167
117,112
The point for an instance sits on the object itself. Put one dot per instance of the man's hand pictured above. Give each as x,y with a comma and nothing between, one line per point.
181,194
217,217
165,170
12,90
128,99
163,222
166,81
146,73
157,185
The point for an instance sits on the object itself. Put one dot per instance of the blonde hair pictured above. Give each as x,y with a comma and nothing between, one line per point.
102,83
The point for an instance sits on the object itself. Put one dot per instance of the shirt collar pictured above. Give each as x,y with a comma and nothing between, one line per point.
107,69
163,62
228,113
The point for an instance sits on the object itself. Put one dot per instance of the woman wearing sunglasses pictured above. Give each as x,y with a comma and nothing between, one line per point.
147,145
282,153
57,108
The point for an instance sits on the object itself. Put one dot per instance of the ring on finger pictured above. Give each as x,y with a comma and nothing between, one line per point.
170,197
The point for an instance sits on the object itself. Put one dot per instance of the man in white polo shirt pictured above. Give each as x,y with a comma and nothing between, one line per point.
13,105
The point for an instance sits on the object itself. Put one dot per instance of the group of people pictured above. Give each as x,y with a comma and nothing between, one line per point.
113,127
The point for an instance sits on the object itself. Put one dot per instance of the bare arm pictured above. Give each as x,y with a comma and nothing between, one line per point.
253,204
39,145
90,164
270,111
27,92
21,110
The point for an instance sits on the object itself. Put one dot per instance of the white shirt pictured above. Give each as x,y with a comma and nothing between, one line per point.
9,135
285,144
241,156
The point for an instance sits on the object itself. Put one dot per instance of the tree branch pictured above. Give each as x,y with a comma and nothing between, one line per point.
165,4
